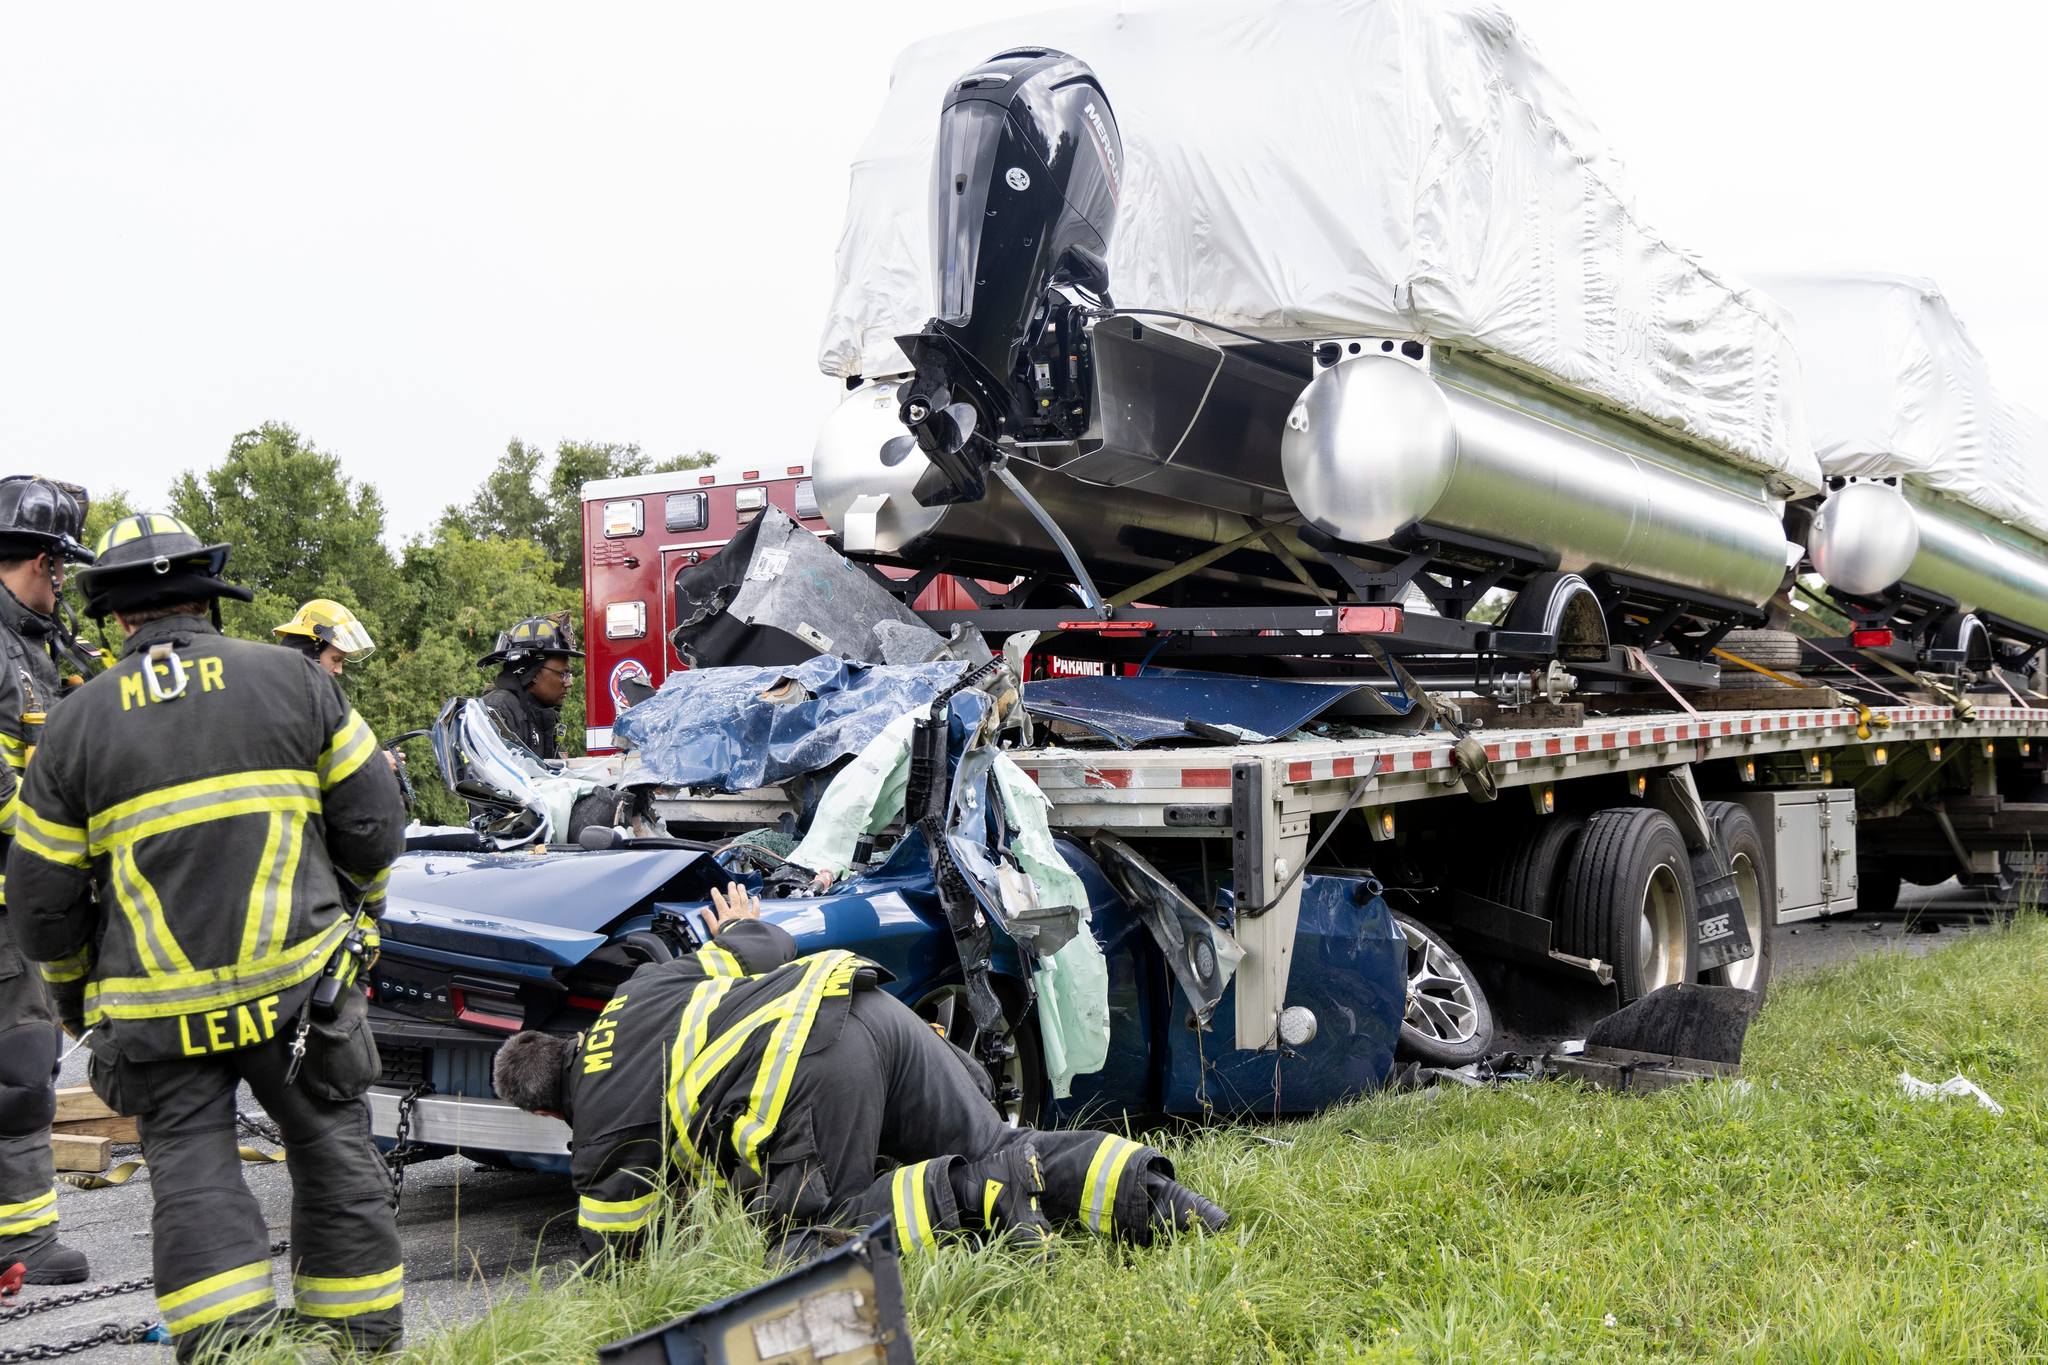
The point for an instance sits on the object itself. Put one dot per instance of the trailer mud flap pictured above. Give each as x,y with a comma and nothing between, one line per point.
1721,934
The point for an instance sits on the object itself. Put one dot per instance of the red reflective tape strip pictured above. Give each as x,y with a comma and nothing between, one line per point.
1220,777
1114,777
1419,760
1384,764
1493,753
1610,740
1524,749
1581,743
1343,767
1296,772
1553,746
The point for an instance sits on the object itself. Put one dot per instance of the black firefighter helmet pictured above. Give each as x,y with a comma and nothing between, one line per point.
149,559
42,516
531,641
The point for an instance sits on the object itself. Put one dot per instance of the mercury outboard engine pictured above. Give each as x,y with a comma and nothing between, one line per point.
1025,180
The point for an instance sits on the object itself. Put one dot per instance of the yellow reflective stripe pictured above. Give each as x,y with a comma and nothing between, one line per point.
1105,1171
14,749
62,844
777,1071
372,888
172,993
613,1217
216,1297
690,1039
159,951
348,1296
70,967
347,751
258,791
913,1214
28,1215
268,918
716,961
8,810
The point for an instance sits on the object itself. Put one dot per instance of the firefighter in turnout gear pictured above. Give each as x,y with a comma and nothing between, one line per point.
792,1080
197,827
327,633
40,526
534,674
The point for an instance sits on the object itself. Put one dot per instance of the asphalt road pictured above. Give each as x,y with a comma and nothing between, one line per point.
467,1230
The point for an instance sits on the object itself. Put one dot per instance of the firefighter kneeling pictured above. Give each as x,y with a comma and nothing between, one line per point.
793,1080
174,870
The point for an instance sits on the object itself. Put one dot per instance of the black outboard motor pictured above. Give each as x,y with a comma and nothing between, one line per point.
1025,181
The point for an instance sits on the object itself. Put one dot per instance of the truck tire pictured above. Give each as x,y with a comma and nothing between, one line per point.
1877,886
1528,874
1447,1021
1628,900
1735,831
1777,650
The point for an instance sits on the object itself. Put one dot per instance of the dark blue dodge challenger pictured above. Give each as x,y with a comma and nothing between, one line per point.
480,945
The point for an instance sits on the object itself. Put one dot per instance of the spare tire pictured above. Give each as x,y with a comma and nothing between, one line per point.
1628,900
1777,650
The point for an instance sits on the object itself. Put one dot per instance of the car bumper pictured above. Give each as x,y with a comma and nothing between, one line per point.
460,1124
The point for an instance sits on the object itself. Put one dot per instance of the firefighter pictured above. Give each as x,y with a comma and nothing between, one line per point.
327,633
40,526
178,870
789,1078
534,673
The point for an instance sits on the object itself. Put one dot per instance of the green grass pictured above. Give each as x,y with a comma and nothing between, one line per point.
1809,1213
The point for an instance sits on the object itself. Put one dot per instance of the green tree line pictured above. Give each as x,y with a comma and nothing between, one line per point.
302,528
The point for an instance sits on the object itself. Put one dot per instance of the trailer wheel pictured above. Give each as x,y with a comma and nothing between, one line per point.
1735,832
1447,1021
1628,900
1877,886
1527,877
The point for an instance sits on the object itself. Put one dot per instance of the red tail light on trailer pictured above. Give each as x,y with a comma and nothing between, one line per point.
1369,620
1870,639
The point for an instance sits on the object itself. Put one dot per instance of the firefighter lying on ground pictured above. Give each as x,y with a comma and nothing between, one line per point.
794,1079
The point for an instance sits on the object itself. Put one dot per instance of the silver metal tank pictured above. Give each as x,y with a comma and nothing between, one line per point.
1377,442
1864,537
1117,532
1983,572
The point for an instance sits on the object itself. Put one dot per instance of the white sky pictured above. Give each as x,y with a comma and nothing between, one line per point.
414,230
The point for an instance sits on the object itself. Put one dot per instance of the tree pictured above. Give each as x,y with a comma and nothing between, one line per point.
521,501
300,528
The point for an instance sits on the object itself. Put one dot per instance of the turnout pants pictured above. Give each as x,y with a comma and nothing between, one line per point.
29,1041
212,1247
890,1092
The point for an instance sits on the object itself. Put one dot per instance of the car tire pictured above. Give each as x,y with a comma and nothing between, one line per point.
1736,834
1446,1020
1777,650
1628,900
1020,1093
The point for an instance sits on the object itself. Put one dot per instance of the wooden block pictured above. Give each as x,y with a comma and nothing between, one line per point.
115,1129
81,1153
76,1102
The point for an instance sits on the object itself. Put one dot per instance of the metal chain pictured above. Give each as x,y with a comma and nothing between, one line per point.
105,1291
403,1152
260,1128
110,1334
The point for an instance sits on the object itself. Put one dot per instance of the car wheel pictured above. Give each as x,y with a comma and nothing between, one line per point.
1447,1021
1628,900
1735,832
1017,1087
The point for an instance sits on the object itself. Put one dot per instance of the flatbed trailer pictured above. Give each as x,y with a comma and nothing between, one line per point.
1424,811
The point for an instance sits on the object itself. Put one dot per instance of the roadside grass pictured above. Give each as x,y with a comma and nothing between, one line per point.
1809,1213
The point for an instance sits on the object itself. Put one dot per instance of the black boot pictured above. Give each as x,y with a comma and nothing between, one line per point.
54,1263
1004,1191
1174,1205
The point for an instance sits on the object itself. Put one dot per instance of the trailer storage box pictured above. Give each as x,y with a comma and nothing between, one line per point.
1810,839
1354,167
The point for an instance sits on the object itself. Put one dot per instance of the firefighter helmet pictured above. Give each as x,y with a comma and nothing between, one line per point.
535,638
150,559
42,516
320,623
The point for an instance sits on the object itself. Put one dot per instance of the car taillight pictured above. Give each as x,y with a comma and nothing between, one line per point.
1869,639
1369,620
488,1010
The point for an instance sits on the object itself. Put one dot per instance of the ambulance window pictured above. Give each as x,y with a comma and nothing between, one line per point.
806,499
688,511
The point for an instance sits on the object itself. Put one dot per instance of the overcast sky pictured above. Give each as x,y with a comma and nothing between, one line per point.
416,230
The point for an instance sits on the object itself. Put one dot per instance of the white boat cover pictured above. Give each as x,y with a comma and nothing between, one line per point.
1894,385
1376,167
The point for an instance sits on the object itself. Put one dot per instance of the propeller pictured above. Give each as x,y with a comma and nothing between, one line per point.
897,449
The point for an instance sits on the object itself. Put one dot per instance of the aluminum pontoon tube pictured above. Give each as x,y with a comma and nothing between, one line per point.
1122,535
1377,443
1864,537
1981,571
